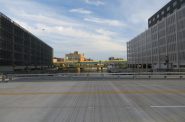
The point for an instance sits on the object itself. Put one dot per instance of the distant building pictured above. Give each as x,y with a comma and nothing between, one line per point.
162,46
113,59
88,59
20,48
75,57
58,60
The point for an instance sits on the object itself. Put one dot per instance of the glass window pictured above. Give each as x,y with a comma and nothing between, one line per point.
153,19
168,9
175,3
157,15
162,12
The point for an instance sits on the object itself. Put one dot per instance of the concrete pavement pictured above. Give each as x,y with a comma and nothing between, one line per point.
92,101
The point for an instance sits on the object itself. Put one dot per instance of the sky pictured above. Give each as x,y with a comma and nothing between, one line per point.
97,28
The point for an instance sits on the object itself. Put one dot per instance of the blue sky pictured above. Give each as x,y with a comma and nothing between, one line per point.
98,28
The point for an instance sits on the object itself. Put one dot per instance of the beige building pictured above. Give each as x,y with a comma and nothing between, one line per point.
75,57
58,60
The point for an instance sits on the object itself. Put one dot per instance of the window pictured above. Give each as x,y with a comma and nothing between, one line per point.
175,3
162,12
168,9
183,4
150,22
153,19
157,16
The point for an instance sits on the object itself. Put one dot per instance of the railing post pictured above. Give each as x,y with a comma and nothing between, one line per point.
3,78
87,76
11,77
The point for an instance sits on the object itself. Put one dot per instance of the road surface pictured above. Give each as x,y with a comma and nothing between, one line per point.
92,101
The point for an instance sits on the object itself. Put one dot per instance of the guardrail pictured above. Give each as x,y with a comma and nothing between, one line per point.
3,78
101,76
6,78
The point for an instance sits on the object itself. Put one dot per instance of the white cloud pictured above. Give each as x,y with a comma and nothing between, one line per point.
94,36
45,19
139,12
100,41
105,32
109,22
135,14
62,36
140,17
95,2
81,11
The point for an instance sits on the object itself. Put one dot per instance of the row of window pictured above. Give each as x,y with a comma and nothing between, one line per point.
181,35
182,56
162,49
27,49
171,29
181,14
22,59
162,41
181,24
182,46
162,34
166,11
155,58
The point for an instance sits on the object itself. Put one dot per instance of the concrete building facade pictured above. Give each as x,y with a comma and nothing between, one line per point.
20,48
162,46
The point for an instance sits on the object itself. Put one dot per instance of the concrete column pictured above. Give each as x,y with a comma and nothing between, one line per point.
158,46
13,44
177,42
30,60
146,50
142,67
151,49
23,53
166,39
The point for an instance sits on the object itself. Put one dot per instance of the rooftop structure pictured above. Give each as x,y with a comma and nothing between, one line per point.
167,10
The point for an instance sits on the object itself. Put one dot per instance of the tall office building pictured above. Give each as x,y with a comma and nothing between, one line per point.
20,48
162,46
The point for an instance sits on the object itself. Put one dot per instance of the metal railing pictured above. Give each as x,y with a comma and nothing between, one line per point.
4,78
98,76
